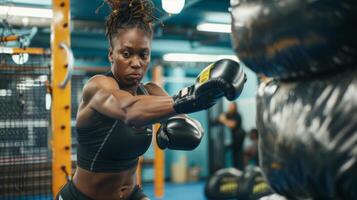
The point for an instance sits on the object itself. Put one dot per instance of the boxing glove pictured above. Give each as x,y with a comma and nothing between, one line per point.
222,78
179,133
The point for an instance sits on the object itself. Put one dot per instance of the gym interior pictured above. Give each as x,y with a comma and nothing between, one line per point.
297,110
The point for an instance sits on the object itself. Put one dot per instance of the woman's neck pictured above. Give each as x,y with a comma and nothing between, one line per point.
131,89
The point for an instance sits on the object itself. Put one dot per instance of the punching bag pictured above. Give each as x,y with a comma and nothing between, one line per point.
308,136
295,38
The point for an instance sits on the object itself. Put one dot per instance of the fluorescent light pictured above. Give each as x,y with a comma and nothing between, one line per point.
48,101
43,78
20,59
6,50
212,27
4,92
37,2
173,6
26,11
184,57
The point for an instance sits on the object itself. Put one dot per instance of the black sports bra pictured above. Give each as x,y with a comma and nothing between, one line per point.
112,146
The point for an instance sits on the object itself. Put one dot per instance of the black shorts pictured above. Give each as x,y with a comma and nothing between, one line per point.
70,192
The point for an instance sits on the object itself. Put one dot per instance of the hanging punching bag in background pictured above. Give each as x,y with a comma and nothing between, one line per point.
223,184
231,183
307,114
252,185
295,38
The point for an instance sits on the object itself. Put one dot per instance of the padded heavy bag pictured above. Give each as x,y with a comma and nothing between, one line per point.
223,184
295,38
253,185
308,136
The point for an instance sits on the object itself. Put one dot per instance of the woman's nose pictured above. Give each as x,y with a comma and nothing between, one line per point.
135,62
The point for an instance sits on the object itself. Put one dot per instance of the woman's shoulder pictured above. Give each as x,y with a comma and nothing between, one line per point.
101,81
101,78
98,83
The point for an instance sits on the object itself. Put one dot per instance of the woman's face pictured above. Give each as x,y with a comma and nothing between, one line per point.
130,55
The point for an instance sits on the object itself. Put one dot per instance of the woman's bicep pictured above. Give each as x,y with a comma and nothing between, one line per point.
156,90
99,96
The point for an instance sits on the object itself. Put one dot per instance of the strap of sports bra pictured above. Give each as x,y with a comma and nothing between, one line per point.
109,73
142,90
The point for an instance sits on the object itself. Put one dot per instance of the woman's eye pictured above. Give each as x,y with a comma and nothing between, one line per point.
144,55
126,54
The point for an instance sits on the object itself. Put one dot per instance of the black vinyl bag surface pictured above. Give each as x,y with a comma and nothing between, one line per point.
295,38
308,136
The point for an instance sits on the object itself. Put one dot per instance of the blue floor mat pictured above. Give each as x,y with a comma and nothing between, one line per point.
187,191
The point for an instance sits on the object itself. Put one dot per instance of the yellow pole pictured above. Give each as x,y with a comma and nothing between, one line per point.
32,51
159,155
9,38
28,50
61,96
139,171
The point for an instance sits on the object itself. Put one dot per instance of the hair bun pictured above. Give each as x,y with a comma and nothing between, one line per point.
129,13
132,9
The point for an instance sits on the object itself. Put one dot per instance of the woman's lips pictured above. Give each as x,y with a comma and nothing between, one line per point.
135,76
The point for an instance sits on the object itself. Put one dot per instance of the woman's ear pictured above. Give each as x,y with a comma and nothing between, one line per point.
110,54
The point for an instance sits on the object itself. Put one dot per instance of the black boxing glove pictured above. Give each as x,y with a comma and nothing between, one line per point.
222,78
179,133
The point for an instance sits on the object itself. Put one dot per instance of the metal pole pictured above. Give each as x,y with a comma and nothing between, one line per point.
61,95
159,155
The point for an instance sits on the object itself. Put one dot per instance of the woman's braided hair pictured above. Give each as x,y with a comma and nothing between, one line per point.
129,14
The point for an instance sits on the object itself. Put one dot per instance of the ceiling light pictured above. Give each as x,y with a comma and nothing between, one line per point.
6,50
37,2
184,57
48,101
4,92
212,27
173,6
20,59
25,11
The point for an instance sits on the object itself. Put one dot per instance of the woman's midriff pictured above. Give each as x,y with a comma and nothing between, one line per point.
108,186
